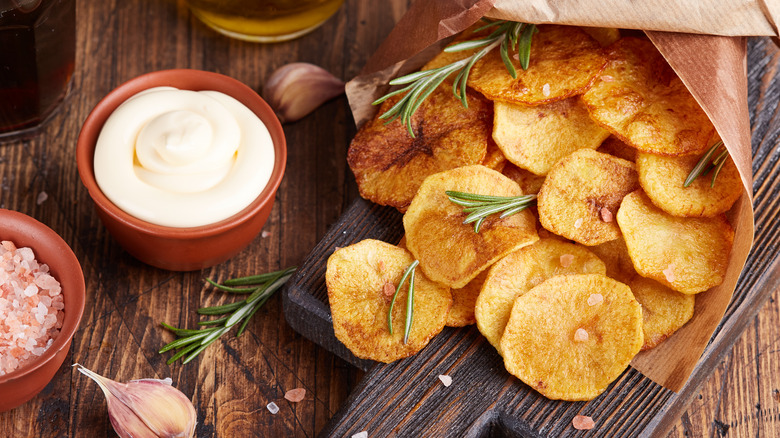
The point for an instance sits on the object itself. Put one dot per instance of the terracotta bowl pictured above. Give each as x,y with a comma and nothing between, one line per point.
181,249
23,384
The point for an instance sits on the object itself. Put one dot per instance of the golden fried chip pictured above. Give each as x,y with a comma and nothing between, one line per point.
449,251
564,62
663,310
361,281
640,99
614,254
663,179
389,165
536,137
690,255
463,302
519,272
582,193
604,35
529,183
615,147
494,159
572,335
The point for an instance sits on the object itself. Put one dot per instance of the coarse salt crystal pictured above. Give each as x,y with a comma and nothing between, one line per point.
606,215
580,335
362,434
583,422
445,379
388,289
29,316
546,90
669,273
42,197
265,234
595,299
578,222
272,408
295,395
567,260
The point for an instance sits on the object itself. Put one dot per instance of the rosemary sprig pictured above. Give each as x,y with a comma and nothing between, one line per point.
481,206
408,273
707,163
260,288
419,85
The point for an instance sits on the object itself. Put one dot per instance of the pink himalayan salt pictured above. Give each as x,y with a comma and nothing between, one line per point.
580,335
295,395
567,260
31,307
595,299
583,422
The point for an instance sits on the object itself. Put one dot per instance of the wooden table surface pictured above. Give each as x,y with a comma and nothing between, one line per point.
233,380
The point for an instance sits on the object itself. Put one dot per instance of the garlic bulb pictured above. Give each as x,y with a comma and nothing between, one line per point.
146,408
296,89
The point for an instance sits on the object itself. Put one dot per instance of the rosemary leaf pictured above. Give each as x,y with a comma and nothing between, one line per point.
507,35
191,343
480,207
409,271
409,307
706,164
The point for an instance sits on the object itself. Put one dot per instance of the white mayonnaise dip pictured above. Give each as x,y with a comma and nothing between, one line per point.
182,158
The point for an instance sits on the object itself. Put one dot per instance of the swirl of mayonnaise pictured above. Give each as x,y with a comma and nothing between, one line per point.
182,158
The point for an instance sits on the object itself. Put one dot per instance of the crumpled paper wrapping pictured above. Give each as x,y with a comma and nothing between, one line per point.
711,65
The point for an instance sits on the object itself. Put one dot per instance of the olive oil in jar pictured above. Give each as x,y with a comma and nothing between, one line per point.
264,20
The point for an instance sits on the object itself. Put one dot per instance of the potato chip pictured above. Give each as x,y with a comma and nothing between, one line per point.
390,165
529,183
614,254
564,62
449,251
568,345
519,272
663,310
604,35
361,280
494,159
463,302
663,179
640,99
582,193
615,147
536,137
690,255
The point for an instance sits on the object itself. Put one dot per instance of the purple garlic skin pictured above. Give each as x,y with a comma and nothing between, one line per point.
295,90
146,408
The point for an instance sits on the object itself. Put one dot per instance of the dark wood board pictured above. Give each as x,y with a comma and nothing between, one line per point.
405,398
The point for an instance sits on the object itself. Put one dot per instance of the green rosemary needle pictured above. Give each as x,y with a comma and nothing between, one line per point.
260,288
707,163
419,85
408,273
480,207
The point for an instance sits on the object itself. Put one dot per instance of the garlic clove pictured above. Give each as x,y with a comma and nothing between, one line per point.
296,89
146,407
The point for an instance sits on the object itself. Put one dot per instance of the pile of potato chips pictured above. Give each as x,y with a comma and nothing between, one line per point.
609,261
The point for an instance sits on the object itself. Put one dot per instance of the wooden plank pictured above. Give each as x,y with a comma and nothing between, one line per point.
406,398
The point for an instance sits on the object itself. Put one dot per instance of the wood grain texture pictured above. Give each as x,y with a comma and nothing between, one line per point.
234,379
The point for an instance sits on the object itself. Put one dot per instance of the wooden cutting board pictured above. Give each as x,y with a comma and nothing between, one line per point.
407,399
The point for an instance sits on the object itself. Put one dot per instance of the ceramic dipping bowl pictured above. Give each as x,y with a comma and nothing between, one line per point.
181,249
27,381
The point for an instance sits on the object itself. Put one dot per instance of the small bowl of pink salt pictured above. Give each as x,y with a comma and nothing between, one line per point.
42,297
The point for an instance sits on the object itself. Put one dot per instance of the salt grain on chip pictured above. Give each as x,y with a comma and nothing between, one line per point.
567,260
595,299
580,335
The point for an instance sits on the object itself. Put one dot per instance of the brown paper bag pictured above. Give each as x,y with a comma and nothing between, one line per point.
712,67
